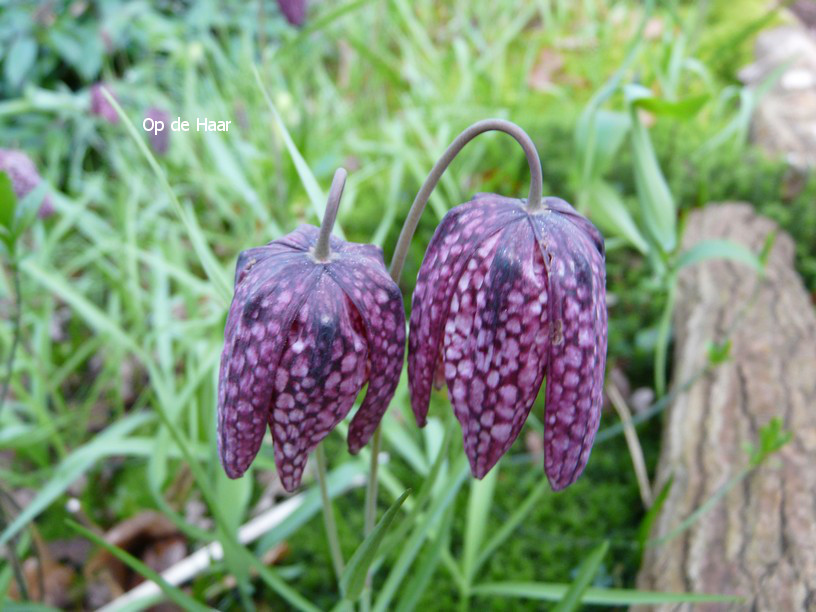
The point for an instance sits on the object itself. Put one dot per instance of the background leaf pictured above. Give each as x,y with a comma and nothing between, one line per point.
598,596
8,201
586,574
719,249
20,60
353,579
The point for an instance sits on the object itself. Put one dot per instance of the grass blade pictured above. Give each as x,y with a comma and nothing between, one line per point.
353,579
586,574
719,249
316,195
72,467
414,542
511,524
656,200
426,566
479,503
550,591
174,594
208,261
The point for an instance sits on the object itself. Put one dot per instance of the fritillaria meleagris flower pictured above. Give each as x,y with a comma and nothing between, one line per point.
302,338
294,11
100,105
505,297
24,177
159,141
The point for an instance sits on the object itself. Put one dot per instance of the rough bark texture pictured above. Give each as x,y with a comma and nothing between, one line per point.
759,541
784,122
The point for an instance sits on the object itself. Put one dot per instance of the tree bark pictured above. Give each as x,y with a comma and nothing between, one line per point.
759,540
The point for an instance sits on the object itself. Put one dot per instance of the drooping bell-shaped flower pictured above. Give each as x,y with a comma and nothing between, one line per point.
24,177
305,332
159,141
294,11
505,298
100,105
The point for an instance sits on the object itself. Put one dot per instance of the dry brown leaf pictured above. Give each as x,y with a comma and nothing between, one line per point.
548,64
148,536
54,579
653,29
534,442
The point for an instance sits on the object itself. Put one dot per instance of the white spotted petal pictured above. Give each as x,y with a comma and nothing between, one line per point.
457,237
379,303
495,347
521,298
574,251
298,349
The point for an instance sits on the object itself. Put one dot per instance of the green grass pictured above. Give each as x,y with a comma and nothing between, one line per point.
123,323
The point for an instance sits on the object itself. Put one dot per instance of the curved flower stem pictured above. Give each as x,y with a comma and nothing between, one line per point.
328,513
401,251
411,222
321,250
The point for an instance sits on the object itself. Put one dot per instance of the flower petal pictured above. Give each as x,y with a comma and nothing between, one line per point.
575,374
303,238
318,378
580,221
379,303
496,343
462,230
264,305
293,10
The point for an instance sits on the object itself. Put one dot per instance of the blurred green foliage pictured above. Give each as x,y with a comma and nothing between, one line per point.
120,317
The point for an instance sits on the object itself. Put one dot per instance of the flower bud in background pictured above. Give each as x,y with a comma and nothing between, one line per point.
303,336
24,177
505,297
100,105
294,11
159,141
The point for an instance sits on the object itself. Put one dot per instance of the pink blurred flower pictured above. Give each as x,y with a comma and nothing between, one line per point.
100,105
159,141
24,177
294,11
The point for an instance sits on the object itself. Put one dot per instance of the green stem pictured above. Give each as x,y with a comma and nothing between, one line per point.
401,251
371,489
663,338
412,220
371,507
17,324
321,250
328,513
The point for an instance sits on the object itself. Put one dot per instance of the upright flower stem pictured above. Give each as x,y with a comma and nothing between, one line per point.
322,252
321,249
371,490
328,513
17,324
404,241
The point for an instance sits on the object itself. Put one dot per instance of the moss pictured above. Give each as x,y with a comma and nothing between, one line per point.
558,534
731,28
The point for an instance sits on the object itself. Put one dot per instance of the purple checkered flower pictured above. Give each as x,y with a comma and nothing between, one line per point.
100,105
294,11
303,336
505,297
159,141
24,177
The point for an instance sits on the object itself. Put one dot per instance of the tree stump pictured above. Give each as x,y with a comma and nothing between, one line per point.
759,541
